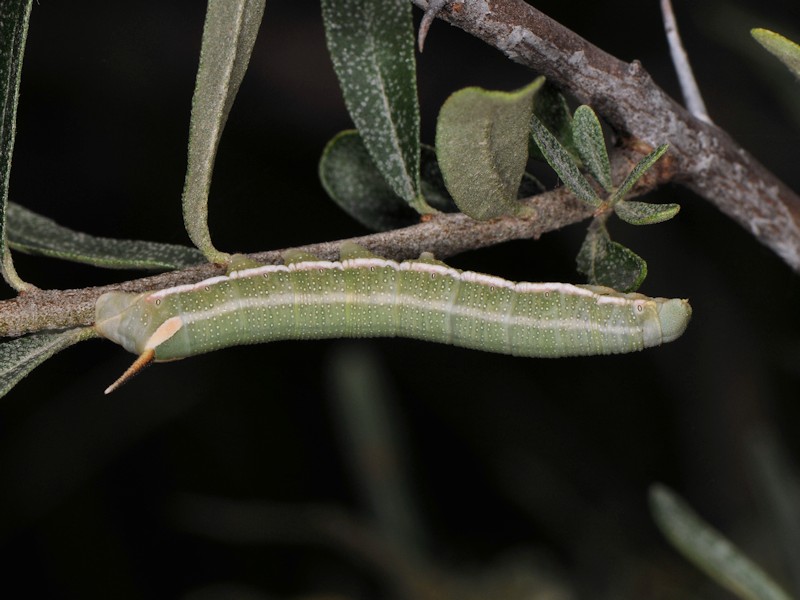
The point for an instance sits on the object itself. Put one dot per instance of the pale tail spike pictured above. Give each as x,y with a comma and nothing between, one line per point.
145,358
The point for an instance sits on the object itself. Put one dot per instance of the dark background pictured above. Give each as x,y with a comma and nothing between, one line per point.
228,475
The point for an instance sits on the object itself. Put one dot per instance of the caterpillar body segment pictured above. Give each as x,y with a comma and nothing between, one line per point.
362,295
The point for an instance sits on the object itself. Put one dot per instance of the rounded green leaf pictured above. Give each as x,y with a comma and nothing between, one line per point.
644,213
482,147
353,181
608,263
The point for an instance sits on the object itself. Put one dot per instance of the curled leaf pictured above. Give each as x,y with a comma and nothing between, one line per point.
482,147
432,180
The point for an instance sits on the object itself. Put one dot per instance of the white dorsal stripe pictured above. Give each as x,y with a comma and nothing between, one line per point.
414,266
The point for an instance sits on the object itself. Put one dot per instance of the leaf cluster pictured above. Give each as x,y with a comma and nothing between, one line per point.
576,144
383,177
379,173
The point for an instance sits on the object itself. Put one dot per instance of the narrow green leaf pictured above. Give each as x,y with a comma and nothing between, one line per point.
637,172
32,233
591,145
608,263
14,18
371,43
20,356
228,37
482,147
709,550
551,108
783,48
562,163
644,213
365,411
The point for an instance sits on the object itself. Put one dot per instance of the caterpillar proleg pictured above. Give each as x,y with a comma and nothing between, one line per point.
362,295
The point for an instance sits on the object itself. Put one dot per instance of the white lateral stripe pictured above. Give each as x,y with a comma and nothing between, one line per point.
408,301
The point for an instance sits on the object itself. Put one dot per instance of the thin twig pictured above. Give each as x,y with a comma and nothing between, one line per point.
691,92
444,235
707,160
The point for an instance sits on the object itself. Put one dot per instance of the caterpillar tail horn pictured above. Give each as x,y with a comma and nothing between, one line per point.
145,359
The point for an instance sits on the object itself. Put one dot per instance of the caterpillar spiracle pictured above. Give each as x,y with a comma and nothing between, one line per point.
363,295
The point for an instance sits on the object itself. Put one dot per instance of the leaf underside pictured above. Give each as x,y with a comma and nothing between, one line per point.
353,181
14,17
228,37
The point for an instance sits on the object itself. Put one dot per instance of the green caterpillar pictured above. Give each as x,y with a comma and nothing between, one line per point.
363,295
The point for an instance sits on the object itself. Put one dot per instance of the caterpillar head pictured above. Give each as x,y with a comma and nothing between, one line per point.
674,315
